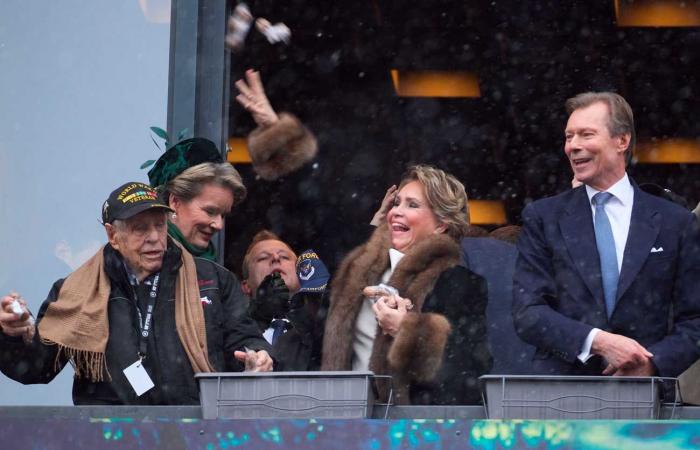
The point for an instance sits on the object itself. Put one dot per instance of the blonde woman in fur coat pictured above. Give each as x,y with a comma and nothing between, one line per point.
431,338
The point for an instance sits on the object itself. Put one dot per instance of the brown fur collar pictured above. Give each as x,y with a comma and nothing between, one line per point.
422,337
281,149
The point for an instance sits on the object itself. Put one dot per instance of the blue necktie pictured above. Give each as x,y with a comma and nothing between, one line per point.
278,325
606,250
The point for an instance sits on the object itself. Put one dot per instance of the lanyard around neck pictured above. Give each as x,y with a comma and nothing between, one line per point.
146,324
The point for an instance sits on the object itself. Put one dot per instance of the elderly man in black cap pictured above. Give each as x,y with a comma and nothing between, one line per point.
137,320
286,299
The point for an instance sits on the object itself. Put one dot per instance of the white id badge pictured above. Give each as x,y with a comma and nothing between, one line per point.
138,378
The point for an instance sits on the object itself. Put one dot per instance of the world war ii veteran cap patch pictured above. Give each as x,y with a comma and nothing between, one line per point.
128,200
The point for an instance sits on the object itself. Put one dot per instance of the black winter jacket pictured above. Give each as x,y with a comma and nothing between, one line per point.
299,348
228,328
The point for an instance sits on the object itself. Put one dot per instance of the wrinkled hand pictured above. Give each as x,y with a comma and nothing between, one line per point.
13,324
646,369
271,299
374,292
252,97
388,318
387,203
622,353
259,361
394,301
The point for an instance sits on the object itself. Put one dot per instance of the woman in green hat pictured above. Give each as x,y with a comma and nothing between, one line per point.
201,188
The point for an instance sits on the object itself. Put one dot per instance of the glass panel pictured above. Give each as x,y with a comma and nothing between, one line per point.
80,84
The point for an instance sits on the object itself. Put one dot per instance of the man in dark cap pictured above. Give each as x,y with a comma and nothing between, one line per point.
286,295
137,320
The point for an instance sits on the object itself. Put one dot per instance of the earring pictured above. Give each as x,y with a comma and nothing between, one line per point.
174,216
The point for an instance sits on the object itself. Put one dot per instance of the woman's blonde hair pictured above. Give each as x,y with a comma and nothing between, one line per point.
445,195
189,183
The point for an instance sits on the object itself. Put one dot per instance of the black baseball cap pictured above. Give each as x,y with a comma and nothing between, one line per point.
130,199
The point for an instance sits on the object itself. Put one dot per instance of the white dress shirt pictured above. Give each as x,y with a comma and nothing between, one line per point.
366,324
619,212
270,331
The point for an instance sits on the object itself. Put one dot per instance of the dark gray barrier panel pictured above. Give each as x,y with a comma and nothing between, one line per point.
146,413
137,413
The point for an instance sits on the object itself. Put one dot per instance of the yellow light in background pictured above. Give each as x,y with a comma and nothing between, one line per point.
669,151
487,212
156,11
657,13
238,151
435,83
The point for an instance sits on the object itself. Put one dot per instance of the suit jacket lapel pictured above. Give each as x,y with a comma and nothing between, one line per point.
644,229
576,226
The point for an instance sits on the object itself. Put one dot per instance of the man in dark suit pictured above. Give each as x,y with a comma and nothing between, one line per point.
601,267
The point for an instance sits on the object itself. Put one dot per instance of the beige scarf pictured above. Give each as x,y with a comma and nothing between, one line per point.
77,321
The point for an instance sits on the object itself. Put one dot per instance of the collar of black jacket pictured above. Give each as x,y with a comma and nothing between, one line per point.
114,263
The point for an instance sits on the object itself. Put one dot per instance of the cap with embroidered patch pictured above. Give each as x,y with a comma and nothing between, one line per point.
130,199
313,274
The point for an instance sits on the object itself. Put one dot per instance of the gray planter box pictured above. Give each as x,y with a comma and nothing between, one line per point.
276,395
573,397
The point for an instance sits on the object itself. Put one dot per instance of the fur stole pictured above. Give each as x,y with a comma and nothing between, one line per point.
415,354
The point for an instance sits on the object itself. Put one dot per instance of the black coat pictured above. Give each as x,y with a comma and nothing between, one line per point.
299,348
228,328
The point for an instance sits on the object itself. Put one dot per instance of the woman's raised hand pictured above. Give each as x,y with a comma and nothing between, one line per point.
252,97
387,203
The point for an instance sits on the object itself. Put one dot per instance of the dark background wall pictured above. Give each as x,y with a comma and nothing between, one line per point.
506,145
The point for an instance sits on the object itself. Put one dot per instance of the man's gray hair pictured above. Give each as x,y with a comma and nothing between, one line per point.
620,117
119,225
